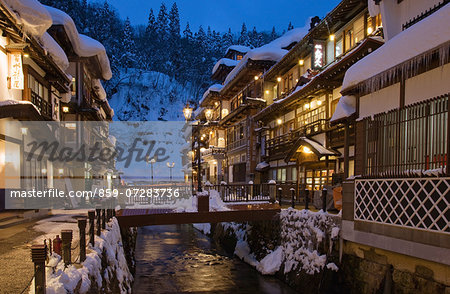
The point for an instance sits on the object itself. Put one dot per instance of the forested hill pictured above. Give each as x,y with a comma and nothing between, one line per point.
185,56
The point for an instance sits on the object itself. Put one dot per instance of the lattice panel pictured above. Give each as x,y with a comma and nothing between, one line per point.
413,203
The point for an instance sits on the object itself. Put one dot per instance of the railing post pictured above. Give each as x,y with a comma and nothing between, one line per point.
272,190
324,199
91,214
98,212
82,228
306,199
38,256
280,190
103,219
250,190
66,236
292,197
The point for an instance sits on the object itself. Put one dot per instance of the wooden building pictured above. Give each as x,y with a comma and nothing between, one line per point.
398,201
298,145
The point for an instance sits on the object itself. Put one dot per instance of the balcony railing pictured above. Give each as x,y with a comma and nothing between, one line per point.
43,106
280,143
214,151
237,144
408,142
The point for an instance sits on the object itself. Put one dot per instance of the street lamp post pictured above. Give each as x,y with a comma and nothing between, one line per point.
170,166
152,162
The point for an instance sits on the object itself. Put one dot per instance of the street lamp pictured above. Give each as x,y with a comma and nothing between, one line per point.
170,166
208,114
152,162
187,111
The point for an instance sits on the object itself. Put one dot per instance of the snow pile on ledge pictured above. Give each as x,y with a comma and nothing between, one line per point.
32,15
433,31
213,88
272,51
109,245
225,61
215,202
83,46
238,48
345,107
55,51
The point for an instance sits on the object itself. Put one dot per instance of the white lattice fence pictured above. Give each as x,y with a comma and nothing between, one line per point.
420,203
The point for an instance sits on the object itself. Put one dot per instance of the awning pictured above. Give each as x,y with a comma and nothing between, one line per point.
313,146
262,166
344,109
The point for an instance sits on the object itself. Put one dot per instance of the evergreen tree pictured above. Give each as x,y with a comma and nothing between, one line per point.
174,22
187,33
128,45
227,39
243,37
151,25
290,26
162,23
273,34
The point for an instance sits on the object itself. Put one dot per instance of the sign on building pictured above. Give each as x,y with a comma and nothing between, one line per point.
16,71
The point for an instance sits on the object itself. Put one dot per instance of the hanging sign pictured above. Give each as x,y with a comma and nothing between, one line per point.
16,71
318,55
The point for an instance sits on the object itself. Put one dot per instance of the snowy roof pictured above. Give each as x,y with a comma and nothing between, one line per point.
262,165
345,107
225,61
83,46
32,15
213,88
318,148
272,51
238,48
55,51
433,31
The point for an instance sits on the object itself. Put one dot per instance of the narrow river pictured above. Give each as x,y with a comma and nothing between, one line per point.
179,259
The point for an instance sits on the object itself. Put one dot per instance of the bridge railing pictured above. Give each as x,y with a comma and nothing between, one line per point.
158,194
242,192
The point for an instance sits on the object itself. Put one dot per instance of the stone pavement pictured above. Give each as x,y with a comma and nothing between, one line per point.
16,268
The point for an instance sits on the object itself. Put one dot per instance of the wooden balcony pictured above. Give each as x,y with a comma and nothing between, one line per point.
44,107
279,145
237,144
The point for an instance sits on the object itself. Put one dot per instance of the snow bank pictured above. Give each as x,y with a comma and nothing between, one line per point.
215,202
108,248
405,46
204,228
345,107
270,264
225,61
32,15
83,46
272,51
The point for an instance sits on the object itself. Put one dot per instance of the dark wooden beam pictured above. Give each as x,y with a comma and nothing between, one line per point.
141,220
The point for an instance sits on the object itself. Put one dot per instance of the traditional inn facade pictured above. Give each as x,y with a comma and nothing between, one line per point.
43,79
298,146
399,200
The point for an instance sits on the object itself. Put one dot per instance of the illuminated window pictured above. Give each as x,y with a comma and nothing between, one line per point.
339,49
239,57
73,87
358,28
349,39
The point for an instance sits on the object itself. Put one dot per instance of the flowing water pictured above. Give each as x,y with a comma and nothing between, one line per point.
179,259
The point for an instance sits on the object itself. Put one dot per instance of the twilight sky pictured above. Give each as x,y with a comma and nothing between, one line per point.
230,13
